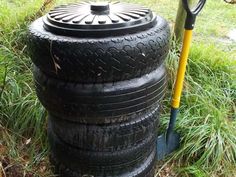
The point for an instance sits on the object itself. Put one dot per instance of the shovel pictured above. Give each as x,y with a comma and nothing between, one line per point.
170,140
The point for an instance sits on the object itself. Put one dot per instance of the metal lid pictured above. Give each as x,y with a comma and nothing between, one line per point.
98,18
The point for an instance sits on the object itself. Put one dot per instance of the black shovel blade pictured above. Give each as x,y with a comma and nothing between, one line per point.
165,147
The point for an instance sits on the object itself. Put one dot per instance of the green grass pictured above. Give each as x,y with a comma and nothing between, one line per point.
208,112
23,142
208,108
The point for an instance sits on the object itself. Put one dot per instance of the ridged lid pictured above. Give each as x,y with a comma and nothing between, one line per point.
98,18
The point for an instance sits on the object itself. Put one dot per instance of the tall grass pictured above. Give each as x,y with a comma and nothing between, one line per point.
207,120
23,142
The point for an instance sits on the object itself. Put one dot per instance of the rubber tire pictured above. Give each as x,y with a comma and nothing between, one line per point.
99,60
145,169
119,161
107,138
74,156
101,103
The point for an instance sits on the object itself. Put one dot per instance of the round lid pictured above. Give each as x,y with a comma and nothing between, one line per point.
98,18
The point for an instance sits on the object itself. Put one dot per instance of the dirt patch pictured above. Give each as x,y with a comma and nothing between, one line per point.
9,168
165,170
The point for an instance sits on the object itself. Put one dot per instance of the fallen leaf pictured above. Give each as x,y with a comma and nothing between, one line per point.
28,141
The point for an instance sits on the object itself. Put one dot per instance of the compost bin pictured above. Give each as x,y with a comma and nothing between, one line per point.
99,72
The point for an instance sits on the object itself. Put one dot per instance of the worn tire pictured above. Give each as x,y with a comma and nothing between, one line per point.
145,169
119,161
99,60
101,103
109,138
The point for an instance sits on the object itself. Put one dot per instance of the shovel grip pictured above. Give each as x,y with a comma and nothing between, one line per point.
192,13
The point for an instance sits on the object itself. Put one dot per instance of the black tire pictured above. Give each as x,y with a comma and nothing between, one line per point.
101,103
107,138
73,156
144,169
99,60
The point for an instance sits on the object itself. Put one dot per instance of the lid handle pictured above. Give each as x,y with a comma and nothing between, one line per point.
99,7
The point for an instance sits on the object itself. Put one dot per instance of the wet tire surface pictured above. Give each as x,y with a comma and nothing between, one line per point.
103,96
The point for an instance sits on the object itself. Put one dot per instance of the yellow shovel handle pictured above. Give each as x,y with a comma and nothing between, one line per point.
181,69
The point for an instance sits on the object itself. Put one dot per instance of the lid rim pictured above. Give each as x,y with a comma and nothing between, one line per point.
97,26
81,19
98,32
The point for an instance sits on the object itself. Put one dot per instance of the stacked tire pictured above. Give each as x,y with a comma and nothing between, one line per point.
103,98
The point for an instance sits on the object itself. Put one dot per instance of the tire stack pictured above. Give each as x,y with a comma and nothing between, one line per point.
98,70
